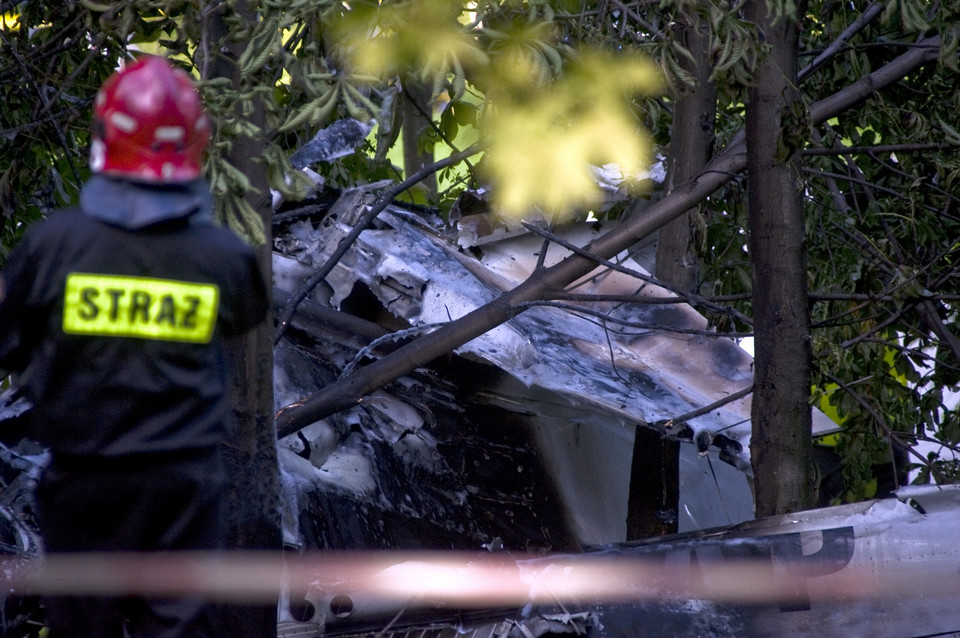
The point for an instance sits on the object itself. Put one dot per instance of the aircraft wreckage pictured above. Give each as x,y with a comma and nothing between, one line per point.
520,445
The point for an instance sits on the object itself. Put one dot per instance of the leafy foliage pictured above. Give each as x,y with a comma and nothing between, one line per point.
882,222
49,74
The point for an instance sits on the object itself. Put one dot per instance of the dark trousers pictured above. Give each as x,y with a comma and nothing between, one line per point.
148,503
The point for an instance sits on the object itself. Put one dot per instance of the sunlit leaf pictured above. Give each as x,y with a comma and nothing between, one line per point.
542,143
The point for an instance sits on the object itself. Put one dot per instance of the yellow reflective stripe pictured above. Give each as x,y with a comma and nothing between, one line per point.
140,307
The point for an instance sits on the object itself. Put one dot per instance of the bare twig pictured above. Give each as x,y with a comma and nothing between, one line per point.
301,293
39,88
865,18
688,296
677,420
879,148
882,423
626,323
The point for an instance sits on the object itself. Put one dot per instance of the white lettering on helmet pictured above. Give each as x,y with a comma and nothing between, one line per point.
123,122
98,155
169,133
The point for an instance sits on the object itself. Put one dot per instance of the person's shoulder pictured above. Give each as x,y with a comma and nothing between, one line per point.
71,215
218,232
216,237
59,222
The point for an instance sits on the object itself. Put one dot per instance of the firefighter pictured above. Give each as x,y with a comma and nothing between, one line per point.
112,318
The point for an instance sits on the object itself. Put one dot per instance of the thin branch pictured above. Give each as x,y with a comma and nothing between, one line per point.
929,185
94,51
884,296
677,420
50,117
879,148
865,18
639,298
887,295
925,308
952,447
652,31
314,280
914,352
882,423
836,321
545,245
839,199
63,41
879,327
856,180
613,358
883,325
626,323
39,88
428,117
688,296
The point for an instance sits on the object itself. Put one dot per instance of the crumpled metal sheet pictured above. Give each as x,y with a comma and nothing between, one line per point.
651,373
884,568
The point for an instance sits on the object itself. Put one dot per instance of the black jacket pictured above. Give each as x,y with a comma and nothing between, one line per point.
117,331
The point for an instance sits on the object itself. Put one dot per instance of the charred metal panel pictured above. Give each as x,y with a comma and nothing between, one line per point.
883,569
421,468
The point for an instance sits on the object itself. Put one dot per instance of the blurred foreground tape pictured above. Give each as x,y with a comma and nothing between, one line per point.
486,580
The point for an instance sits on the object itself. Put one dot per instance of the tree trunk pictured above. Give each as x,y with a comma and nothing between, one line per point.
253,512
414,100
781,442
691,145
655,474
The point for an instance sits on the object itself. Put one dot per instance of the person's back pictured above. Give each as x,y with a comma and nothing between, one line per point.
113,314
124,325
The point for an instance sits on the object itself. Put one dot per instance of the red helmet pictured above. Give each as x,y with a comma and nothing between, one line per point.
149,124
